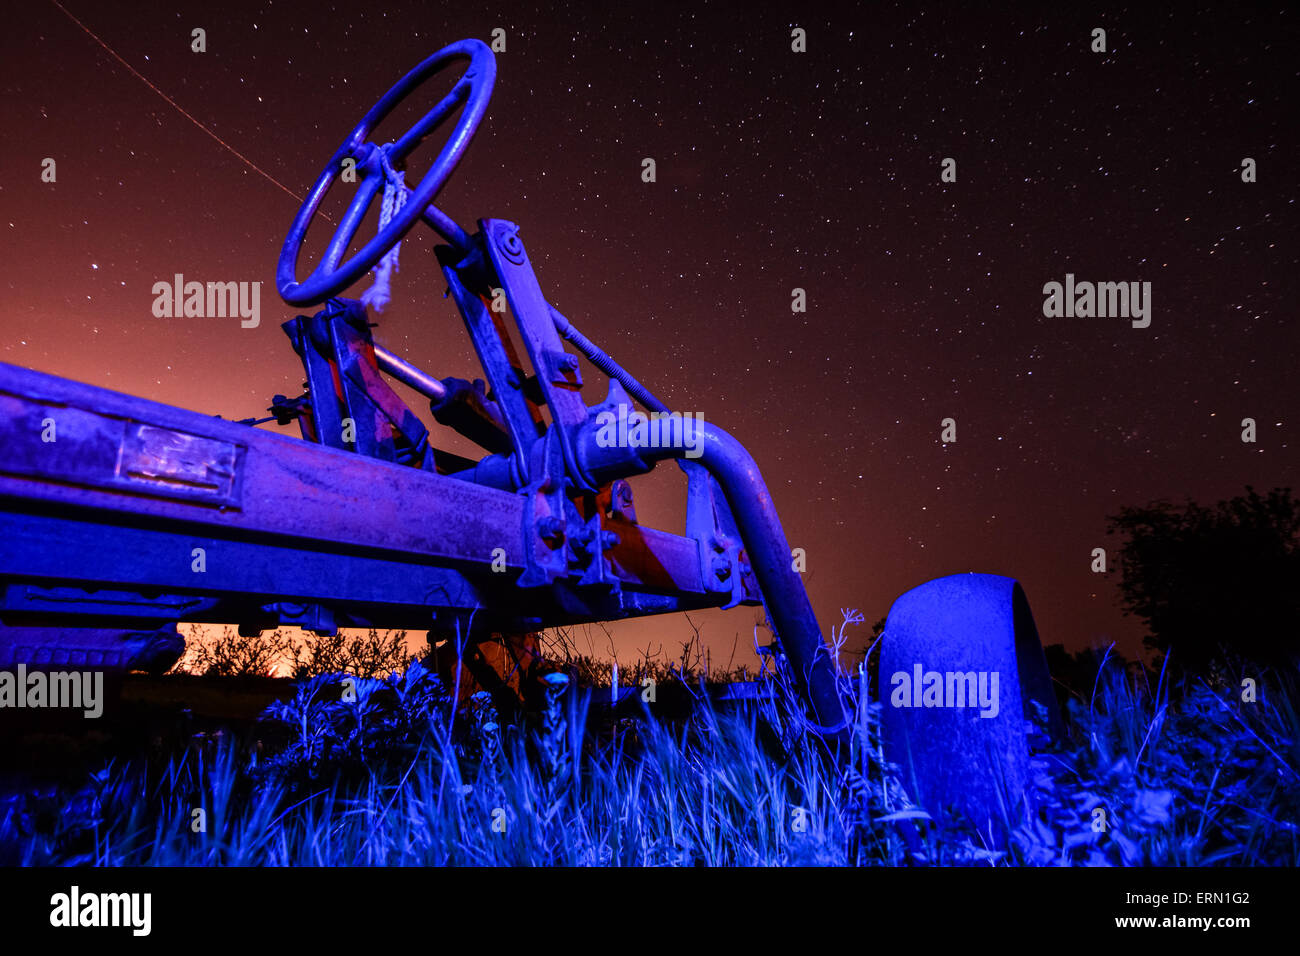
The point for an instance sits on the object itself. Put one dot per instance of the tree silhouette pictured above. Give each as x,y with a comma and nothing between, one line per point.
1211,583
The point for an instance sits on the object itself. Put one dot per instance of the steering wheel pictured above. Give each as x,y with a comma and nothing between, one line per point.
474,89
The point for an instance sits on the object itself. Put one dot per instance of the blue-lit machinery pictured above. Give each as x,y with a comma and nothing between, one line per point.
122,517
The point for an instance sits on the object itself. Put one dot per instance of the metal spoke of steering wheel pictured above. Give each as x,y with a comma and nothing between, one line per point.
413,136
365,195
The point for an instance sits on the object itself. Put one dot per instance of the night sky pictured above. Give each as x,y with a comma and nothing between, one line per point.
775,170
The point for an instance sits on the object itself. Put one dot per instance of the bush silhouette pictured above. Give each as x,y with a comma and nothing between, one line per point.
1215,583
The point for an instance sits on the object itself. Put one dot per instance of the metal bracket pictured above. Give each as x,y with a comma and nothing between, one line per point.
561,539
310,617
557,371
344,383
724,567
562,369
546,523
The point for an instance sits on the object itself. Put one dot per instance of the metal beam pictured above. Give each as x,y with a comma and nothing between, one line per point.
124,489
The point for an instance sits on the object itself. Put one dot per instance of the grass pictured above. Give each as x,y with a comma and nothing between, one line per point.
387,771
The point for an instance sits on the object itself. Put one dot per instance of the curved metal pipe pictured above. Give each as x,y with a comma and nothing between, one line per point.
751,505
765,543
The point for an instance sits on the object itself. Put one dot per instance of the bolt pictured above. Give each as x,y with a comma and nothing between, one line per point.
551,527
721,568
510,243
609,539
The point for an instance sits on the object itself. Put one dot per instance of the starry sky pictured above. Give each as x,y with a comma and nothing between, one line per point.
775,170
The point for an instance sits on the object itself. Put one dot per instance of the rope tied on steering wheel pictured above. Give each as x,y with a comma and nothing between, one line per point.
395,193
